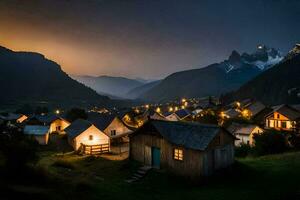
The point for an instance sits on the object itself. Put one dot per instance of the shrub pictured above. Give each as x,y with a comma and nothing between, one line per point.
243,150
64,164
270,142
294,140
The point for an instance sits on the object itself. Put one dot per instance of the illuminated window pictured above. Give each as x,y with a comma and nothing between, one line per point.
113,132
178,154
90,137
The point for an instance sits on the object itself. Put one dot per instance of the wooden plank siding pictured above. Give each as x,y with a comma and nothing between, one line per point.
195,163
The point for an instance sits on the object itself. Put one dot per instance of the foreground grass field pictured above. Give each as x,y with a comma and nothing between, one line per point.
79,177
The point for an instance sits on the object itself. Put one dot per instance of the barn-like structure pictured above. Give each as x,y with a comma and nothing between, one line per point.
186,149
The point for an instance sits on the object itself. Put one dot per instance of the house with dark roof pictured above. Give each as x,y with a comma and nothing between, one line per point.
83,136
183,114
111,125
170,116
14,118
39,133
244,133
283,117
55,122
184,148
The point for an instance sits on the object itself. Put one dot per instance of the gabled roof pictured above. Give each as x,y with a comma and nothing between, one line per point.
255,108
190,135
231,113
47,119
245,129
11,116
183,113
166,114
77,127
101,121
36,130
287,111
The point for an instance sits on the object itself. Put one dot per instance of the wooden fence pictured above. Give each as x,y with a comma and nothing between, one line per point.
95,149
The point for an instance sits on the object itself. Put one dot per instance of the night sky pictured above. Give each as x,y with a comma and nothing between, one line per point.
145,38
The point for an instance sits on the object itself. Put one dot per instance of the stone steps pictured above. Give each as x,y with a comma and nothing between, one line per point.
139,174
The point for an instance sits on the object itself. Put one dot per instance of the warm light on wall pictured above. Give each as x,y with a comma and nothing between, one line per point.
170,109
158,109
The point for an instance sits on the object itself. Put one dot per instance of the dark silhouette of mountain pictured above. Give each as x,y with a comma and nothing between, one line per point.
31,78
278,85
113,86
139,91
215,79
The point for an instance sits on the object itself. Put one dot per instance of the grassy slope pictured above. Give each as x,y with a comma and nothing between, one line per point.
269,177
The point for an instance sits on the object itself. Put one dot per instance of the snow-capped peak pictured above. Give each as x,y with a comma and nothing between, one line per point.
294,52
262,59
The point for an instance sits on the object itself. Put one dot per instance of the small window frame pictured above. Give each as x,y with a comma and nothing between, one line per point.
91,137
178,154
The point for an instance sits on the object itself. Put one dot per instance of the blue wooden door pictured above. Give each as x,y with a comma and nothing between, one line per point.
155,157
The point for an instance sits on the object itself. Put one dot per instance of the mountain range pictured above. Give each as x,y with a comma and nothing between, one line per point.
114,87
214,79
278,85
30,77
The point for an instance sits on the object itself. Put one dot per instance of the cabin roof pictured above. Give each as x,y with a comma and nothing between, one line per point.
77,127
190,135
11,116
101,121
287,111
46,118
182,113
255,108
245,129
36,130
231,113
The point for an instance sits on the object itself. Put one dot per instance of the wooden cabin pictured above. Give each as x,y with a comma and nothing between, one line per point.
39,133
283,117
111,125
244,133
186,149
87,138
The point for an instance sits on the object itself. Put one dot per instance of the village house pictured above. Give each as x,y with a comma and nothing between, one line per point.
14,118
244,133
170,116
183,114
111,125
56,123
283,117
184,148
39,133
83,136
254,109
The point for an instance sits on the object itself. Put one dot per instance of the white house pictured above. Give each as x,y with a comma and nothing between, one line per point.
244,133
111,125
86,137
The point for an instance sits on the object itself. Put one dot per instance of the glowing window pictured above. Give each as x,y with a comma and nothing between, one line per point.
178,154
90,137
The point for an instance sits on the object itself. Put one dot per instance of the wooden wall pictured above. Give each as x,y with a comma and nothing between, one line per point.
220,154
